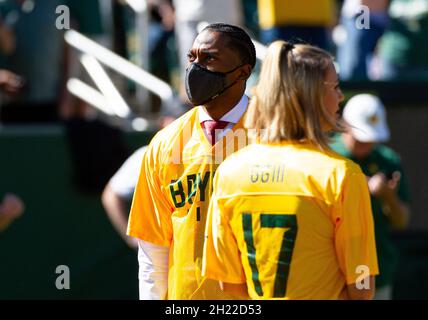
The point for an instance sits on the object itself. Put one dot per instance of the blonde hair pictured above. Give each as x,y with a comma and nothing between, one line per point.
288,100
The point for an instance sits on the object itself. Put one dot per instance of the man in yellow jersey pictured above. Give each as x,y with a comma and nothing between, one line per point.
290,219
171,199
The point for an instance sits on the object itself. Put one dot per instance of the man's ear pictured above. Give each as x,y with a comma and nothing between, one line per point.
245,72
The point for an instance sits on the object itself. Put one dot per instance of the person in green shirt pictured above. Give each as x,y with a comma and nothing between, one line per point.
367,129
403,49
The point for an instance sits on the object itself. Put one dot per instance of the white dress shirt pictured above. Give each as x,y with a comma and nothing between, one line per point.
233,117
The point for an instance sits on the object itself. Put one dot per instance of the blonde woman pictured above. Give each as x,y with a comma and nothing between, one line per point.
290,219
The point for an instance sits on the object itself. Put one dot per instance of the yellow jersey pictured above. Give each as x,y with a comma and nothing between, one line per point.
291,221
275,13
171,200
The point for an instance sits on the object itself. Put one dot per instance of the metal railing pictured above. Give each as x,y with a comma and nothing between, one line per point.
108,99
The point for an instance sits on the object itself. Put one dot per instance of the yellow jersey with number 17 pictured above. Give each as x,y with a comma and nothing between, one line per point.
291,221
172,196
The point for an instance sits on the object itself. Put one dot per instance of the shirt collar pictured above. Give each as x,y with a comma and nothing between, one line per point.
233,116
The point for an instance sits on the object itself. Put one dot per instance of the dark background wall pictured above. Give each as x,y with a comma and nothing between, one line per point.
60,225
409,136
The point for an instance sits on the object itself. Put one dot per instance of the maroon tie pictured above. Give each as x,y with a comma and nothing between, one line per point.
211,126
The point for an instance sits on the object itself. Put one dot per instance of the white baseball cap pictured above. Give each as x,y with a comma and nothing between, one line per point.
366,115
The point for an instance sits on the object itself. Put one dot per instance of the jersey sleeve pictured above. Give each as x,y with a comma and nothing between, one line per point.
222,258
150,216
354,229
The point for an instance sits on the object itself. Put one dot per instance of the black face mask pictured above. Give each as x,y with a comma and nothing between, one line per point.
203,85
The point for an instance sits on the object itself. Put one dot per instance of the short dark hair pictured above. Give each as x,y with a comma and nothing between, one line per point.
239,41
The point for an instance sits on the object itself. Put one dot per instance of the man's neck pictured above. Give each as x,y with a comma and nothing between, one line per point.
222,105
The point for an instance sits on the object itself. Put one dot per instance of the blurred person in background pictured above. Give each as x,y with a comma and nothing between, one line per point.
32,47
117,195
367,129
161,32
403,49
11,208
309,21
357,45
